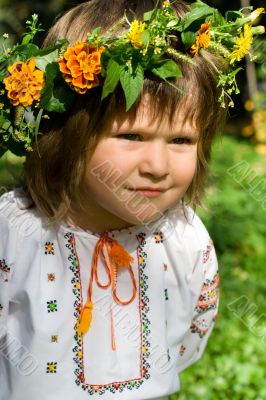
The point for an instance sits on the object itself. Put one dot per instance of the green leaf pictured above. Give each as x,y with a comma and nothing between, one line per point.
112,79
188,38
58,44
216,19
172,23
26,51
53,98
16,148
42,62
96,31
132,83
145,38
167,69
2,120
232,15
198,11
148,15
27,38
3,150
61,100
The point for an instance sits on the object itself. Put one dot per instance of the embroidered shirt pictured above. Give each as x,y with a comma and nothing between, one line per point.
134,350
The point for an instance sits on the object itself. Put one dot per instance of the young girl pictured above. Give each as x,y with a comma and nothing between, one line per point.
109,282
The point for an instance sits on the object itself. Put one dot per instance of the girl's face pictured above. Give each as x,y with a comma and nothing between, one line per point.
134,155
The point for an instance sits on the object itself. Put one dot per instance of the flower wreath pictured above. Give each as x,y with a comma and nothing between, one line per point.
35,81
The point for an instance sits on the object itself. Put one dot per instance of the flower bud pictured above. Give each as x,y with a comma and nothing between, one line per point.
258,30
256,13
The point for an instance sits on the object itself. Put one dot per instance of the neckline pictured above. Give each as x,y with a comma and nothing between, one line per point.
131,230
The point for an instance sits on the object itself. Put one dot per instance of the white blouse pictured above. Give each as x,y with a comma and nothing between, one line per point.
151,319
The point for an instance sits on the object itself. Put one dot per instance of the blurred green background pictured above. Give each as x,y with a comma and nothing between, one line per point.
234,365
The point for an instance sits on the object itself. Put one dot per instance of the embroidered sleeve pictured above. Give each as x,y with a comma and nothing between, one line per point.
205,312
6,271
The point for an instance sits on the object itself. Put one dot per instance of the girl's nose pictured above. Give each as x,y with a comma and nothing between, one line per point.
153,159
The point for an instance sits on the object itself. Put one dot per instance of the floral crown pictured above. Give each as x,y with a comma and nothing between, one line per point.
36,81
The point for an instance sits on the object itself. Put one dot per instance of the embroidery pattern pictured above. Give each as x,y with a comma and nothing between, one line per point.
51,368
182,350
209,294
49,248
51,277
158,237
54,338
206,253
51,306
4,270
3,266
201,327
208,300
144,310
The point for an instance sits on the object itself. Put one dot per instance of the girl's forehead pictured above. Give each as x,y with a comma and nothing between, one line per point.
148,118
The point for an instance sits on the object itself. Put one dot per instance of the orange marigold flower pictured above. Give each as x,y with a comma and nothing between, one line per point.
81,66
25,83
203,39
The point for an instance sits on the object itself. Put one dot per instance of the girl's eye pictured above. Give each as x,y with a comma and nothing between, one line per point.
129,136
181,140
134,137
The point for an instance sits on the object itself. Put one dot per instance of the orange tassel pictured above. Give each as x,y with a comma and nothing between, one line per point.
120,256
85,318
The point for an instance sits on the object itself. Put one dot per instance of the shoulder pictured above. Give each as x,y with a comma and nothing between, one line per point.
17,215
188,227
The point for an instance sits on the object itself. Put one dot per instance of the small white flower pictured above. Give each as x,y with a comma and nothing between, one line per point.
157,39
5,35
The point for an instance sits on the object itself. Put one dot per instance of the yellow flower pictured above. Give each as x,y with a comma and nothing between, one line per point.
261,149
134,35
166,4
81,66
249,105
243,44
247,131
256,13
203,39
24,83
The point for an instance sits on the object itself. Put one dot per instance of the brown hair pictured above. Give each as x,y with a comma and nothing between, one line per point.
54,171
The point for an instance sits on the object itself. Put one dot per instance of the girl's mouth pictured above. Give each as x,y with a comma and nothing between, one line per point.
147,192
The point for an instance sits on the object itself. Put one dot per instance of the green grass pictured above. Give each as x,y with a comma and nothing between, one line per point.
234,364
10,170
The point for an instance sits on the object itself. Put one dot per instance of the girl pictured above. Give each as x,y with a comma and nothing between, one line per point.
109,282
